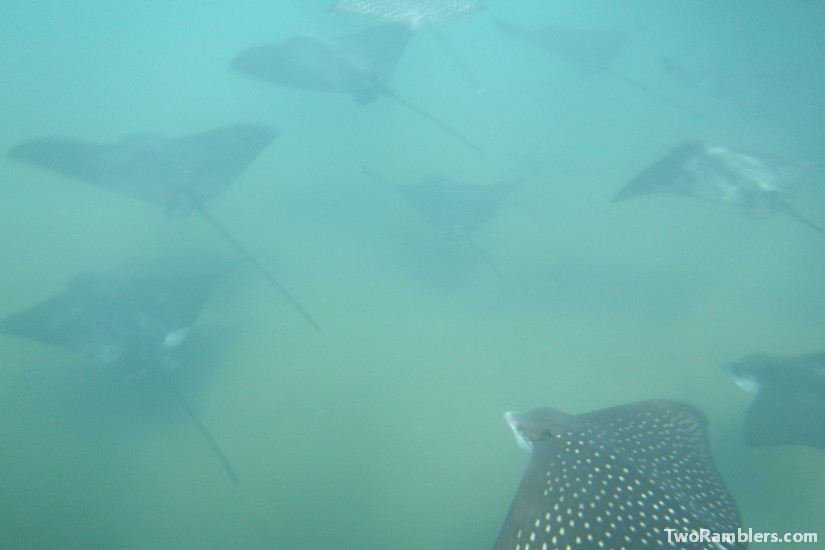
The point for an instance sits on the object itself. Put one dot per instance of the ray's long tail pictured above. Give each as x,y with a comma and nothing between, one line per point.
244,251
434,120
525,35
654,93
457,60
788,210
486,259
201,427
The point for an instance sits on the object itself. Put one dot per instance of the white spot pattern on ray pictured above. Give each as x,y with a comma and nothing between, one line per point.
415,13
616,479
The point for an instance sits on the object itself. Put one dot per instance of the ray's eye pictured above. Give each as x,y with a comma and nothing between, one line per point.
548,433
543,433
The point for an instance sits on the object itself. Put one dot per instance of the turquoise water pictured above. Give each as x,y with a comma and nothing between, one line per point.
384,428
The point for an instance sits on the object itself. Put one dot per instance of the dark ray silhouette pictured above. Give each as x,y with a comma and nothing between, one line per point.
182,174
135,323
591,51
789,403
455,208
359,64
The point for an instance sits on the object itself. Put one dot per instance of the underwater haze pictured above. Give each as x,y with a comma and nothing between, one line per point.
384,428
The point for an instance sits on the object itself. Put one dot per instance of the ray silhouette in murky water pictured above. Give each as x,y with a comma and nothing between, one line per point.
616,478
590,51
750,91
760,97
135,323
789,405
710,172
416,14
751,88
455,208
359,64
182,174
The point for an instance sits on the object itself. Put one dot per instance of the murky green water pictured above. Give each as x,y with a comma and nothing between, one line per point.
384,428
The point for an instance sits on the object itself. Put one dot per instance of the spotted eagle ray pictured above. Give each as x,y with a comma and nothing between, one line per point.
455,208
135,323
417,14
590,51
719,174
182,174
616,478
359,64
790,398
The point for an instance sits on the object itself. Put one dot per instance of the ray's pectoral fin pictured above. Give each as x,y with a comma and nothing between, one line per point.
621,474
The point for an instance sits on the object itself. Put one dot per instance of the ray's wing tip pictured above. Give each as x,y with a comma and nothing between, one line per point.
264,131
242,61
623,194
5,325
236,63
268,133
19,150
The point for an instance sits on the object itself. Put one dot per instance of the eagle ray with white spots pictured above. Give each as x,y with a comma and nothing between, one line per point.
705,171
616,478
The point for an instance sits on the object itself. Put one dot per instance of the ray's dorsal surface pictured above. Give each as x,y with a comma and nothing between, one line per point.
789,399
182,174
113,319
710,172
416,14
359,64
133,322
616,478
178,173
455,208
